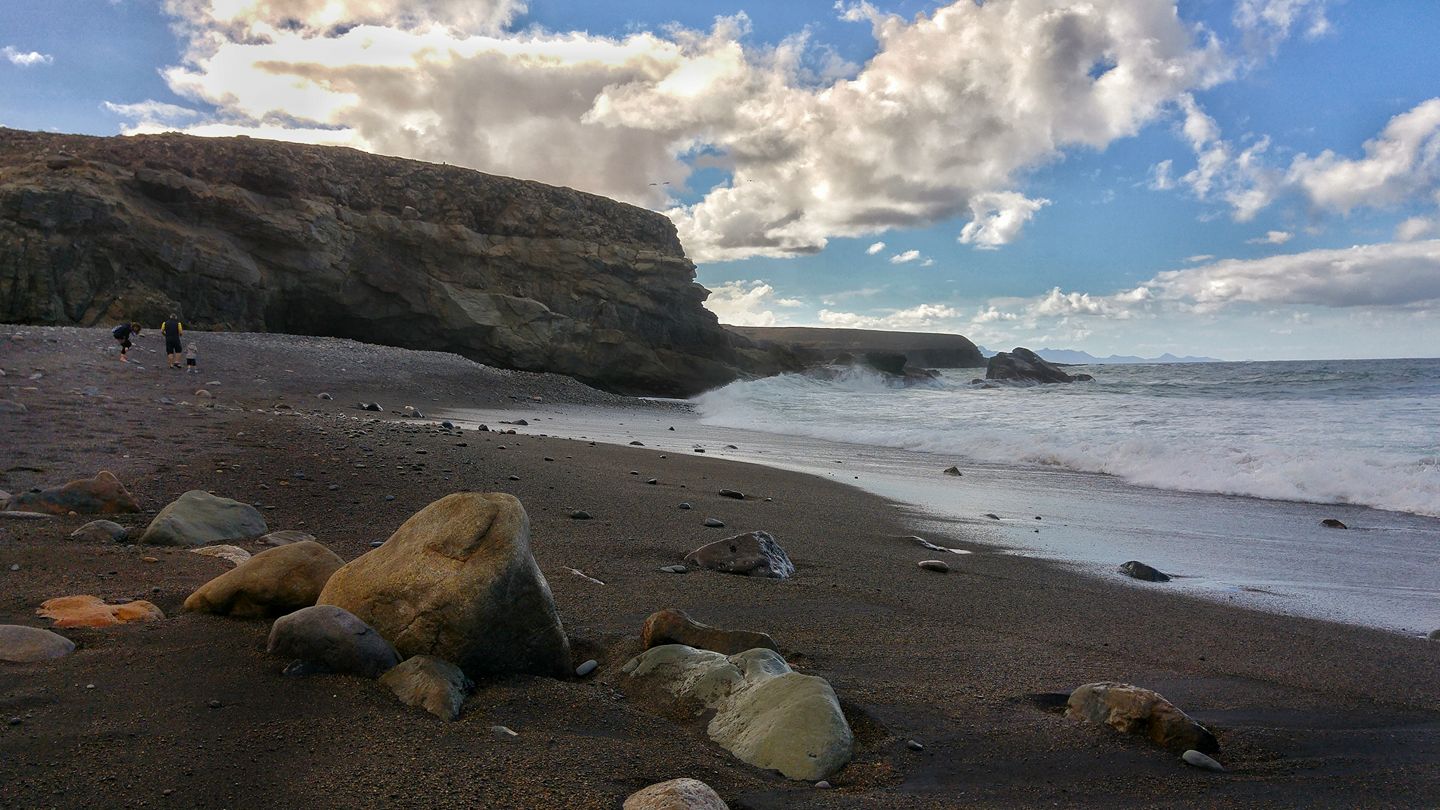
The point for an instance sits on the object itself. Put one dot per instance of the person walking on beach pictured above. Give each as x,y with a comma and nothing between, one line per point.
122,335
172,329
190,358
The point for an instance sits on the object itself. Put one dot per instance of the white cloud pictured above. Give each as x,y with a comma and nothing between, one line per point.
1272,238
746,303
1267,23
1415,228
1239,179
998,218
875,248
1403,162
151,112
923,317
25,59
1199,257
905,258
950,113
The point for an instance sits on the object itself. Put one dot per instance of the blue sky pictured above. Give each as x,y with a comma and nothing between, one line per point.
1262,183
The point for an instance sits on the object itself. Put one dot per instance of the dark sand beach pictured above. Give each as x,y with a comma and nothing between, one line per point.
191,712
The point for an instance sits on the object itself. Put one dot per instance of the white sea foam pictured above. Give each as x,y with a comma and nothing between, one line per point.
1352,432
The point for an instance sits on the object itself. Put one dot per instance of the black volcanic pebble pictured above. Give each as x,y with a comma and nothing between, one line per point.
1139,570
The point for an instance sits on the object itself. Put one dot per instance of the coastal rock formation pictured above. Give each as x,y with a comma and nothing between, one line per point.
325,638
101,495
101,531
457,581
429,683
1133,710
819,345
1022,365
676,794
92,611
272,583
766,714
254,235
198,518
22,645
673,626
754,554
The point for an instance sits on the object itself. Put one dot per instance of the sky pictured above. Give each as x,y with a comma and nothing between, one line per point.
1243,179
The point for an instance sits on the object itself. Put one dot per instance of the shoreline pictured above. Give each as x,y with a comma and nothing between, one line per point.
1307,712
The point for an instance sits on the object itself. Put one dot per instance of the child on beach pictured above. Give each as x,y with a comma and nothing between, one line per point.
190,359
122,335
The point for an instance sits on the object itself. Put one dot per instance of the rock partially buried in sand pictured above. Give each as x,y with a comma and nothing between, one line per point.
231,554
285,538
1196,759
732,493
676,794
325,638
101,495
754,554
953,471
934,565
429,683
1332,523
22,645
100,531
457,581
673,626
272,583
1138,570
198,518
766,714
1133,710
92,611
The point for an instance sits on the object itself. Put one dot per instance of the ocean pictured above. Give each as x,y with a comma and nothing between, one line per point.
1218,474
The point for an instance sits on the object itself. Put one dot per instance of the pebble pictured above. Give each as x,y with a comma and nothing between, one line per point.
686,506
323,395
674,569
376,543
914,745
992,516
214,704
15,567
15,721
823,784
389,497
502,731
637,444
935,565
653,481
1332,523
514,478
447,424
714,523
1198,760
586,668
732,493
953,471
699,449
580,514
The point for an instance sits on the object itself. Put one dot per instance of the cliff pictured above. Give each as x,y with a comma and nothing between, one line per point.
246,234
929,349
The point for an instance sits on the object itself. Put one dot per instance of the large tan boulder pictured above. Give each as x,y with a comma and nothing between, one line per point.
457,581
1133,710
676,794
271,583
101,495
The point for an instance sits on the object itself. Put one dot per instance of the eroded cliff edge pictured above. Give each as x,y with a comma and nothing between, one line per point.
246,234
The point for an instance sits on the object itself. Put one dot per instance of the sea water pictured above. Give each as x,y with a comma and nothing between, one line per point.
1219,474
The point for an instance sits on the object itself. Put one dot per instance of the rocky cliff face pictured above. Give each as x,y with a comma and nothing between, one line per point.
245,234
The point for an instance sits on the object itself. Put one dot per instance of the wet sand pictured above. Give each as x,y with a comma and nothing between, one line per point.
1307,712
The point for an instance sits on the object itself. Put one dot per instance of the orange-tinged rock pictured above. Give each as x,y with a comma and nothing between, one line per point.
101,495
92,611
674,626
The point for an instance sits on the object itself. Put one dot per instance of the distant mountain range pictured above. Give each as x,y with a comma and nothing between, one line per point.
1079,358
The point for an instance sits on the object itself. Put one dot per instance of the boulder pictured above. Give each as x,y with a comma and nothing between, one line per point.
1138,570
325,638
1332,523
676,794
282,538
457,581
672,626
198,518
232,554
101,495
754,554
274,582
22,645
1133,710
91,611
1023,365
766,714
101,531
429,683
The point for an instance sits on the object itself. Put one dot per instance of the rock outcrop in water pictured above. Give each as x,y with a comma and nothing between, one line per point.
1023,365
246,234
819,345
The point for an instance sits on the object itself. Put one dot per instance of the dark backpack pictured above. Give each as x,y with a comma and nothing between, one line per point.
121,331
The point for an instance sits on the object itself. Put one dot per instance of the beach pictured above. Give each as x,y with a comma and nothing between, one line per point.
189,711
